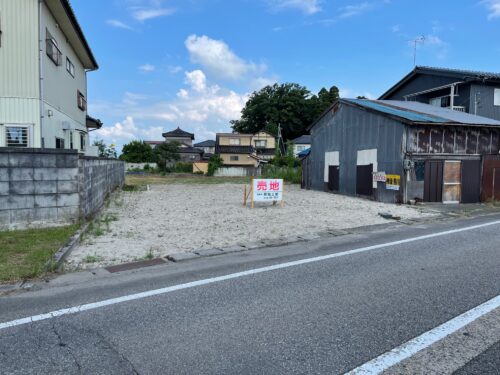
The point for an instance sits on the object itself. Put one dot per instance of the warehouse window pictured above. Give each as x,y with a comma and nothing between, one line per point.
234,158
52,49
496,100
59,143
82,104
17,136
419,170
234,141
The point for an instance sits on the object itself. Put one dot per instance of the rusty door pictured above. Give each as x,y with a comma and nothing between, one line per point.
333,178
491,178
471,181
433,181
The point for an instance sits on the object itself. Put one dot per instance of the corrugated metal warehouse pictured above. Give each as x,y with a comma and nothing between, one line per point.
396,151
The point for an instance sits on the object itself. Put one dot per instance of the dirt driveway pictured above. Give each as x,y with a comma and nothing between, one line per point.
176,218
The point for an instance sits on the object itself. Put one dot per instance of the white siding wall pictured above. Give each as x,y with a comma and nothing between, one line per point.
19,74
60,89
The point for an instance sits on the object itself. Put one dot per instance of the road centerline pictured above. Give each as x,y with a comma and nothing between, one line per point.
192,284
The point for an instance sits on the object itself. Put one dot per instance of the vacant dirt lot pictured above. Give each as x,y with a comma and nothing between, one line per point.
180,217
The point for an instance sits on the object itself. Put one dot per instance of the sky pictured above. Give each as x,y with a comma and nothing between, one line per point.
194,63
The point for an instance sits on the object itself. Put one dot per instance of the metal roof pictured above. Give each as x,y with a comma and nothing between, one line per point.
422,113
302,140
207,143
459,74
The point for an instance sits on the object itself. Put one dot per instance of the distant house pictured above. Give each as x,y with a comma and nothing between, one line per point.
245,150
397,151
461,90
44,61
208,148
179,135
300,144
187,152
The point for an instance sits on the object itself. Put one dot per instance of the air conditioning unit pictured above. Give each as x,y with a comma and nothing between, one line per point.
66,125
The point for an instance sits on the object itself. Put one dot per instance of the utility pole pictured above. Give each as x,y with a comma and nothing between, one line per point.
420,39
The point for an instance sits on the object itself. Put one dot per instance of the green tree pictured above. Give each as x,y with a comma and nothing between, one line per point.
280,104
325,98
105,151
289,105
137,152
167,152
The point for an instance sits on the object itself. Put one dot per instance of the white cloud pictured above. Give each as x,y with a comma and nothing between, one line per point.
121,131
147,14
174,69
355,9
147,68
305,6
217,58
183,94
119,24
197,80
493,8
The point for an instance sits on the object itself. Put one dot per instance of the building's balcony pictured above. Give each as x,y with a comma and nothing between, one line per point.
458,108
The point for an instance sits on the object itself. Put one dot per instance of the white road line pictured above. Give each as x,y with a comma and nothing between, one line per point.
156,292
410,348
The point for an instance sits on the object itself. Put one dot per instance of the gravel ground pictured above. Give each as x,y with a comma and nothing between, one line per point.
176,218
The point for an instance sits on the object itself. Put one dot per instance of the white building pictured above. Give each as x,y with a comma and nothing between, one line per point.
300,144
44,60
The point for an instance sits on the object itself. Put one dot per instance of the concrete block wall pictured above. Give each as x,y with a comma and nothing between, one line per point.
42,187
98,178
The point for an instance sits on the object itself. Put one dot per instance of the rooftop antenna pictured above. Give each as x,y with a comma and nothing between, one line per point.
416,41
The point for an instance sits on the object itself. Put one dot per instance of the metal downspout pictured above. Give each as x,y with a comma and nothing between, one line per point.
40,72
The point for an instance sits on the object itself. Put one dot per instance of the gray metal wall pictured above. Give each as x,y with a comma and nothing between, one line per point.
486,107
349,130
420,83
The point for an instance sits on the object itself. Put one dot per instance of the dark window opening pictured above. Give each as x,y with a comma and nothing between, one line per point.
420,170
53,52
59,143
82,104
234,158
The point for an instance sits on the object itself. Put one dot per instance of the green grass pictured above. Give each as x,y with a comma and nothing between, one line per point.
93,258
25,253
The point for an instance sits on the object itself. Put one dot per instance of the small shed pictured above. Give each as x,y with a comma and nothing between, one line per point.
397,151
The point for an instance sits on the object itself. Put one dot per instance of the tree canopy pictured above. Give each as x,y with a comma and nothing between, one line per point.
105,151
289,104
137,152
167,152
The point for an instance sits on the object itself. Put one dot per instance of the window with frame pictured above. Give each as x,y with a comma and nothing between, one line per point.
234,158
82,103
70,67
301,148
234,141
496,97
17,136
53,52
82,141
71,140
59,142
260,143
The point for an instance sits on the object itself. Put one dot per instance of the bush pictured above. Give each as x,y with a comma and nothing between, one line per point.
290,174
214,163
181,167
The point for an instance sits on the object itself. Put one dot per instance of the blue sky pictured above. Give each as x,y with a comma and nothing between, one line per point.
193,63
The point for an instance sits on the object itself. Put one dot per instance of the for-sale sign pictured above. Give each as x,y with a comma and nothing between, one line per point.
267,190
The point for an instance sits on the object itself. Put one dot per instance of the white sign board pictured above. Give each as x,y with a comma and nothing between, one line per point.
379,177
267,190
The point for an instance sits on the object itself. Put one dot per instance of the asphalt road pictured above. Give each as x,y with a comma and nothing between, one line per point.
322,317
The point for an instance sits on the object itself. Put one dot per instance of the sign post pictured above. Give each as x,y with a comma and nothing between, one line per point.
265,190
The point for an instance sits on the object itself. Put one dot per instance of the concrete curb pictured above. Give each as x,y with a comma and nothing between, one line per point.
283,241
60,256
